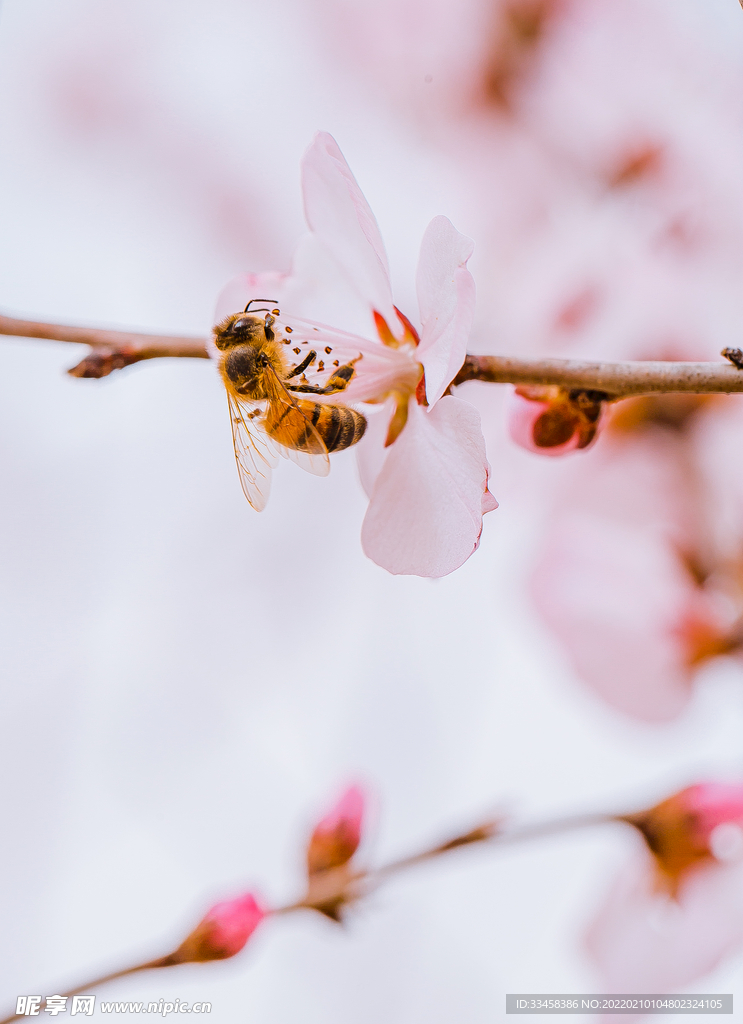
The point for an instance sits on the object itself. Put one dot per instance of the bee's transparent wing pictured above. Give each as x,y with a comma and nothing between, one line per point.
254,453
316,463
290,426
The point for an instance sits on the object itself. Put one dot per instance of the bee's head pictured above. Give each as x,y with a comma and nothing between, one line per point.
243,329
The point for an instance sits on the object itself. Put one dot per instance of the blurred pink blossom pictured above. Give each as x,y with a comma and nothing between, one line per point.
711,804
422,460
548,420
690,829
336,836
676,910
222,932
630,579
642,940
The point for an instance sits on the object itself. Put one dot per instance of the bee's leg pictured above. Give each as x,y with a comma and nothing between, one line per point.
307,361
337,381
340,380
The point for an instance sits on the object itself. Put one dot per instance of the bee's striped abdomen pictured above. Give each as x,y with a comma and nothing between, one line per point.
337,425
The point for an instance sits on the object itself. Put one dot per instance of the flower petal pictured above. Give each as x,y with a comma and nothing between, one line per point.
641,941
524,415
425,514
318,289
612,595
446,297
371,453
339,215
379,369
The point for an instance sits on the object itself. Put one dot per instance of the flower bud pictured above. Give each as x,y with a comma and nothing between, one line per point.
549,420
702,635
337,836
222,933
680,831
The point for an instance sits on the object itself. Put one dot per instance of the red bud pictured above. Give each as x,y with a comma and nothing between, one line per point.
337,836
222,933
679,830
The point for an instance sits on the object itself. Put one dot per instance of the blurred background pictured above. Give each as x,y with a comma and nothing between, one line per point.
177,711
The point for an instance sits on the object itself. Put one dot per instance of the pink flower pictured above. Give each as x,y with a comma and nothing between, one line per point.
337,836
422,460
680,831
641,940
671,919
620,582
711,804
551,421
223,932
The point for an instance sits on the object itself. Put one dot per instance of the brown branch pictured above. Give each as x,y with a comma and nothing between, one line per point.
330,890
488,832
616,380
164,961
112,350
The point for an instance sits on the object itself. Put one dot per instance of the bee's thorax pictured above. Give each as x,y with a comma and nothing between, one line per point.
245,367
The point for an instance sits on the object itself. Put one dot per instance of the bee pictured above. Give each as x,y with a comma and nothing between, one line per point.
268,419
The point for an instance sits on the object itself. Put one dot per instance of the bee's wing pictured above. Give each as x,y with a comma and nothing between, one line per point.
317,463
254,453
290,425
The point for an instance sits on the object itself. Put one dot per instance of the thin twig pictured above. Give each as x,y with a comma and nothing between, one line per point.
490,832
340,886
163,961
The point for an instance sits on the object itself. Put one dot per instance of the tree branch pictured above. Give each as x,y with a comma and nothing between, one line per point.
616,380
113,350
340,886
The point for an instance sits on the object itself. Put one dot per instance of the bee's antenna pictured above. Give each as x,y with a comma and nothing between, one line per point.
272,302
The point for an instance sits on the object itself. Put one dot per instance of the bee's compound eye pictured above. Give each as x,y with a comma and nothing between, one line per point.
241,324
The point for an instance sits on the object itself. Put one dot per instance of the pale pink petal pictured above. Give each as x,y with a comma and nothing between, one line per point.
522,415
642,941
613,595
489,504
425,514
340,217
446,297
238,292
379,369
318,290
371,453
612,584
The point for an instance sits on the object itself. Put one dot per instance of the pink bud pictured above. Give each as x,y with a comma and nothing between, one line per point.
678,830
701,634
711,804
551,421
338,834
223,932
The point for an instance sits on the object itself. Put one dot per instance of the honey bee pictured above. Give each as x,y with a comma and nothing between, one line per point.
268,419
